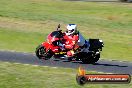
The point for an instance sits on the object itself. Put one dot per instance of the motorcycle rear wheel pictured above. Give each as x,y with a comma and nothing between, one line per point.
91,59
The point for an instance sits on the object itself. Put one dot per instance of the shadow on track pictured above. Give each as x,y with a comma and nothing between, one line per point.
99,64
109,65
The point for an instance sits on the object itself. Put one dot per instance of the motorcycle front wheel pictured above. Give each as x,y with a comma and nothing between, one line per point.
41,53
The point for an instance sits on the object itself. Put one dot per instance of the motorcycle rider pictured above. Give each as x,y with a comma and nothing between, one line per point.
74,39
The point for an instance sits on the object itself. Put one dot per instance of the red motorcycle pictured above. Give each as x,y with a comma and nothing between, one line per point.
90,53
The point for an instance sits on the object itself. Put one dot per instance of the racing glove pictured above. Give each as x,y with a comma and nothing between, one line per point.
62,46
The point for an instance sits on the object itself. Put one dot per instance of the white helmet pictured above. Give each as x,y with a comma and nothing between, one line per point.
71,29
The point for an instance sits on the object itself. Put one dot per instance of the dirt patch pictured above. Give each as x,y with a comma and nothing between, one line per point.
26,25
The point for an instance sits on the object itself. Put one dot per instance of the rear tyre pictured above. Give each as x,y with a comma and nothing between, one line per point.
41,53
96,58
91,59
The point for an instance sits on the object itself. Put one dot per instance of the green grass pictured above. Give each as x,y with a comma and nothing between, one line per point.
25,23
13,40
27,76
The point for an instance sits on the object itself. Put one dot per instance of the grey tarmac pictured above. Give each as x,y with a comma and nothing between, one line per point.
106,66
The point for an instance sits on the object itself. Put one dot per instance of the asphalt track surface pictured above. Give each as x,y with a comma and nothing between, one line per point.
100,66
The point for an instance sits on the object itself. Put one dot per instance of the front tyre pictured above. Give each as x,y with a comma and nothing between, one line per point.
41,53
